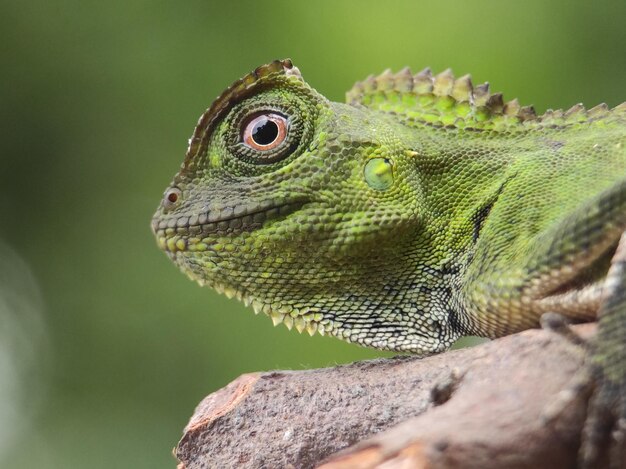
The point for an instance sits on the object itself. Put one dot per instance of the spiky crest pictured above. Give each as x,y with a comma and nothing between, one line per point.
434,99
442,100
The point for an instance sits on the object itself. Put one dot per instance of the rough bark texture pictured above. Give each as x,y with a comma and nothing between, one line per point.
480,407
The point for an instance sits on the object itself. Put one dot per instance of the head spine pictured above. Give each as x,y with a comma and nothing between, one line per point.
242,88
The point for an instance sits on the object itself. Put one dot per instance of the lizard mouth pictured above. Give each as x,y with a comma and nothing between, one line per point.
188,232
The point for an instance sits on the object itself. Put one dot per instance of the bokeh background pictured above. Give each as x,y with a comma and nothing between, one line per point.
105,348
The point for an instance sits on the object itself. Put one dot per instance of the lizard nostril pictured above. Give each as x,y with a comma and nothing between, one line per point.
172,197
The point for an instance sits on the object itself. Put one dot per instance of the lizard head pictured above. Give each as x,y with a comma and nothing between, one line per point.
300,207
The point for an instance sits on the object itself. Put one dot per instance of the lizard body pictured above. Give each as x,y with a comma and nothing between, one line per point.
423,209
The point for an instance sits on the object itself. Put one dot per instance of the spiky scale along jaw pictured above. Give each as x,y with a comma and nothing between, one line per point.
366,223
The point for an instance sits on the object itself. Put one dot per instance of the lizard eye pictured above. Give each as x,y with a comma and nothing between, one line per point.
265,131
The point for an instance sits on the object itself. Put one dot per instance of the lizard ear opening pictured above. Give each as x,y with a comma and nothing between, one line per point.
378,173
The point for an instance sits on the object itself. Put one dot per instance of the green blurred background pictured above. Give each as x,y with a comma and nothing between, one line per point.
105,348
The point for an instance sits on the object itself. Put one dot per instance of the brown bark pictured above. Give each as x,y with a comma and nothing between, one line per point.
479,407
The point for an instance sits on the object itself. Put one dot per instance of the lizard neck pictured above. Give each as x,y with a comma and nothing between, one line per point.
472,169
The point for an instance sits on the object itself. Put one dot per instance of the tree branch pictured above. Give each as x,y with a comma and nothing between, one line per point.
477,407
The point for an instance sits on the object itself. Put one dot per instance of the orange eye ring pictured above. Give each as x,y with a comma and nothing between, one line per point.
265,131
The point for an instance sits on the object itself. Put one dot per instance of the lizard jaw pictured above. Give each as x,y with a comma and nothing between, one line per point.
307,320
310,321
197,232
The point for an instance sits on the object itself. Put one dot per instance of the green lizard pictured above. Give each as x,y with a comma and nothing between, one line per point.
423,209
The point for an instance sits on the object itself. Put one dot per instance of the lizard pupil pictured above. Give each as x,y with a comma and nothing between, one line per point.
265,131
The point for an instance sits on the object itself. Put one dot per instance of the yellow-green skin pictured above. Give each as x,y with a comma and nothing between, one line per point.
423,209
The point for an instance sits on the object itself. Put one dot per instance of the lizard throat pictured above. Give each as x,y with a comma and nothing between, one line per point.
197,233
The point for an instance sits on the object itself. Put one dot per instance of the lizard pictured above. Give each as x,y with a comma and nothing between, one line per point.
422,209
